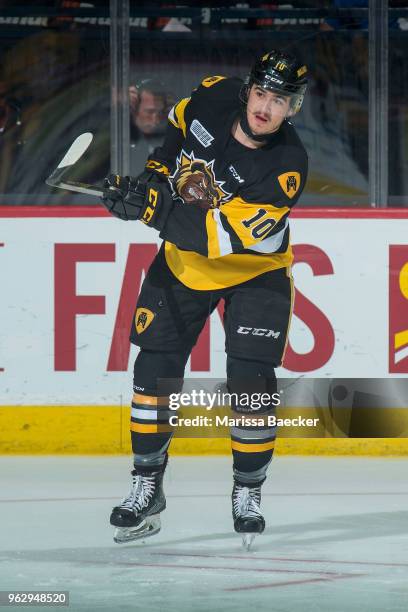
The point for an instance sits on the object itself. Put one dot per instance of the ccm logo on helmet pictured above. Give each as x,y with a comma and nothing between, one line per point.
258,331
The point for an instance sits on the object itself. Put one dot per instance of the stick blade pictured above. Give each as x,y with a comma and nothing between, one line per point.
76,150
74,153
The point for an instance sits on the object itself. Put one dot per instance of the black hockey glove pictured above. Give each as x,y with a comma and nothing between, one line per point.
145,198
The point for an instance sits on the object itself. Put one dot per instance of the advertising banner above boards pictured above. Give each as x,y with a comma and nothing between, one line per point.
70,278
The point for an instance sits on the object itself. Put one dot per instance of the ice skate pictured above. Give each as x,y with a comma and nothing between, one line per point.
246,512
138,515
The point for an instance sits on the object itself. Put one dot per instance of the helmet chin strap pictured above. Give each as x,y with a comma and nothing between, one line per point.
243,121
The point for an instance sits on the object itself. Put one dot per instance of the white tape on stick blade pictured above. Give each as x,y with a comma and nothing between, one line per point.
76,150
59,179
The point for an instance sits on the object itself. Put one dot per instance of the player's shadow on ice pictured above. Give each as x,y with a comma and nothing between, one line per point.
333,529
324,530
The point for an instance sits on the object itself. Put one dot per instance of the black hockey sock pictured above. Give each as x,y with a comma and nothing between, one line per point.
150,431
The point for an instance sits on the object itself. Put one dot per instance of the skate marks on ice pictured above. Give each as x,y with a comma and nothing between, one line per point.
210,573
329,529
284,556
336,534
184,578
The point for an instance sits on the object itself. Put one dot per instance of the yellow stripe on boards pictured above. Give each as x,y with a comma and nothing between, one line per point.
103,430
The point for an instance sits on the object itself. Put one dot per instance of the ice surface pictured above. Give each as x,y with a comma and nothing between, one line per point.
336,537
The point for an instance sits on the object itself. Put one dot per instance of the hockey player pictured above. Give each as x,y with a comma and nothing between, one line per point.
219,191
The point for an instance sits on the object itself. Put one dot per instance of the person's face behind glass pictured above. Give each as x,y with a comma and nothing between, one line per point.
150,113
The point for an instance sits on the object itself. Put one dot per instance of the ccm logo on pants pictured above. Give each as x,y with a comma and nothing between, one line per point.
258,331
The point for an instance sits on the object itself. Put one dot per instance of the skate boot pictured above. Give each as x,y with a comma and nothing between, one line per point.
138,515
246,512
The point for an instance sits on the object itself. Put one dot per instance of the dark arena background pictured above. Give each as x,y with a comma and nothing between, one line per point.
336,498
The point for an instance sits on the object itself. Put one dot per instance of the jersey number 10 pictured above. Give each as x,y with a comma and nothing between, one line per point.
259,230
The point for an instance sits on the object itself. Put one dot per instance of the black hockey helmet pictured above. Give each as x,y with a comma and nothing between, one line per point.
281,72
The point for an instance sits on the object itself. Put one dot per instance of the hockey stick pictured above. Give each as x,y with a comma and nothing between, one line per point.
75,151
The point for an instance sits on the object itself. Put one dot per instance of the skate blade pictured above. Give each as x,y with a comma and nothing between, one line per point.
149,527
247,539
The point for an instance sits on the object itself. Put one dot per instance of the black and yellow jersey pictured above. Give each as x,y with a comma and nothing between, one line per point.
230,219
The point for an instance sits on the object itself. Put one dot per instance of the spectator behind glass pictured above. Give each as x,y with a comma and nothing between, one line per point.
11,138
149,106
41,70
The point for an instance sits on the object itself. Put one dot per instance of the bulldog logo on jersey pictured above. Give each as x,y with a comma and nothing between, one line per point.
290,183
194,182
143,318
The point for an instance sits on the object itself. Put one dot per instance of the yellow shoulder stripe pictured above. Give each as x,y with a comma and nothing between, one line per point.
179,112
176,115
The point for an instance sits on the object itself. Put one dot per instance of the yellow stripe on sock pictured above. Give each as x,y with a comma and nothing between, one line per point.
252,448
142,428
150,400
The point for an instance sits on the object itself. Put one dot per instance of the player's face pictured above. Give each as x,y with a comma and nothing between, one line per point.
266,110
150,113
